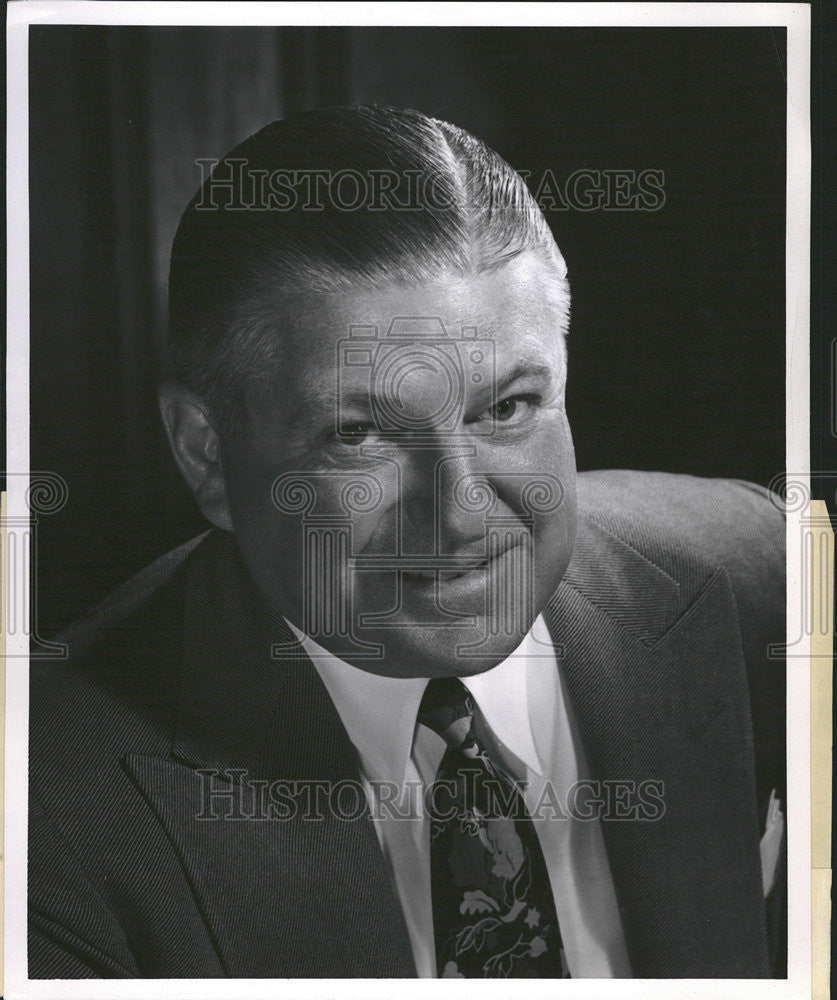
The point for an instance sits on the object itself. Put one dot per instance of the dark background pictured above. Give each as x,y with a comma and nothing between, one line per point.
678,332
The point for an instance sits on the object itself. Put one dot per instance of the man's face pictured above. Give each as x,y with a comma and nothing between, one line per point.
405,492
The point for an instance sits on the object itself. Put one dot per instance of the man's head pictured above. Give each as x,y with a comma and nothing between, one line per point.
367,322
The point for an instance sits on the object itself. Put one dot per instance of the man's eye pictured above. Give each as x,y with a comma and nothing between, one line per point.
354,434
505,409
511,410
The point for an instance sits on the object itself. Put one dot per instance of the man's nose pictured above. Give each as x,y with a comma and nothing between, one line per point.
445,500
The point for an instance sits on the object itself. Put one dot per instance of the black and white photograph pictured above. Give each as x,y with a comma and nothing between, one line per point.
405,443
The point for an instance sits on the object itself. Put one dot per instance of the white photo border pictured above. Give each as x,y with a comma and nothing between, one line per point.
797,19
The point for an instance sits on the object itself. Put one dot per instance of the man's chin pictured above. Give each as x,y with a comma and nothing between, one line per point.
457,651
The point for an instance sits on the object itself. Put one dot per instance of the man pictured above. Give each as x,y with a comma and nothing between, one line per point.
421,702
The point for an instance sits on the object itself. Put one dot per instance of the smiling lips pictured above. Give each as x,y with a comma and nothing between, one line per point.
444,574
466,566
421,569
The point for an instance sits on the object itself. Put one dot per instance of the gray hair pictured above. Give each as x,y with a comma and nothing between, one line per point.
430,200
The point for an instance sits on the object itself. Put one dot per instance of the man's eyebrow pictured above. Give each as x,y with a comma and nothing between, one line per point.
323,393
325,398
362,398
521,371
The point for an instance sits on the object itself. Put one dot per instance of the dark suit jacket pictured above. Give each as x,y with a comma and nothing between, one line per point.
663,620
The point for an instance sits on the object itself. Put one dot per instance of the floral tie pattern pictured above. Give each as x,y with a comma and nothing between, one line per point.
493,911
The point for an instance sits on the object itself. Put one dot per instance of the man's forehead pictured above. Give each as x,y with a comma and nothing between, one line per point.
512,305
397,345
493,323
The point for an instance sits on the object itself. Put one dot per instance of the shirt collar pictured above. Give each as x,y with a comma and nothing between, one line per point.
504,695
379,713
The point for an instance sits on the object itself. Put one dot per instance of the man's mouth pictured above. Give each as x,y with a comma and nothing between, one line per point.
428,575
432,589
455,567
449,574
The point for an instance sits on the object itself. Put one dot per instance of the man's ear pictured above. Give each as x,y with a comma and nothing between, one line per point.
196,448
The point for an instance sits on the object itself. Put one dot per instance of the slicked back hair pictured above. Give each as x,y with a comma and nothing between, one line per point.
434,201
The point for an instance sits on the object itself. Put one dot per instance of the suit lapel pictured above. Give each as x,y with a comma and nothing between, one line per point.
658,688
290,877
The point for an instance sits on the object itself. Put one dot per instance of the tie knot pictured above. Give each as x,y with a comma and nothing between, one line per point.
448,709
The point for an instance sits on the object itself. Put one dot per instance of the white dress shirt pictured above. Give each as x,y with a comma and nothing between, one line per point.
525,722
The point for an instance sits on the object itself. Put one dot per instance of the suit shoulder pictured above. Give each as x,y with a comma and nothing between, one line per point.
120,644
131,598
709,515
689,526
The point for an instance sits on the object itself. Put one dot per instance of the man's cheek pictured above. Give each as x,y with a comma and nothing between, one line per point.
275,552
305,549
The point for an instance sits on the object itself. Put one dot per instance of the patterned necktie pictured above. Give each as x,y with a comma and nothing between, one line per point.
493,911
